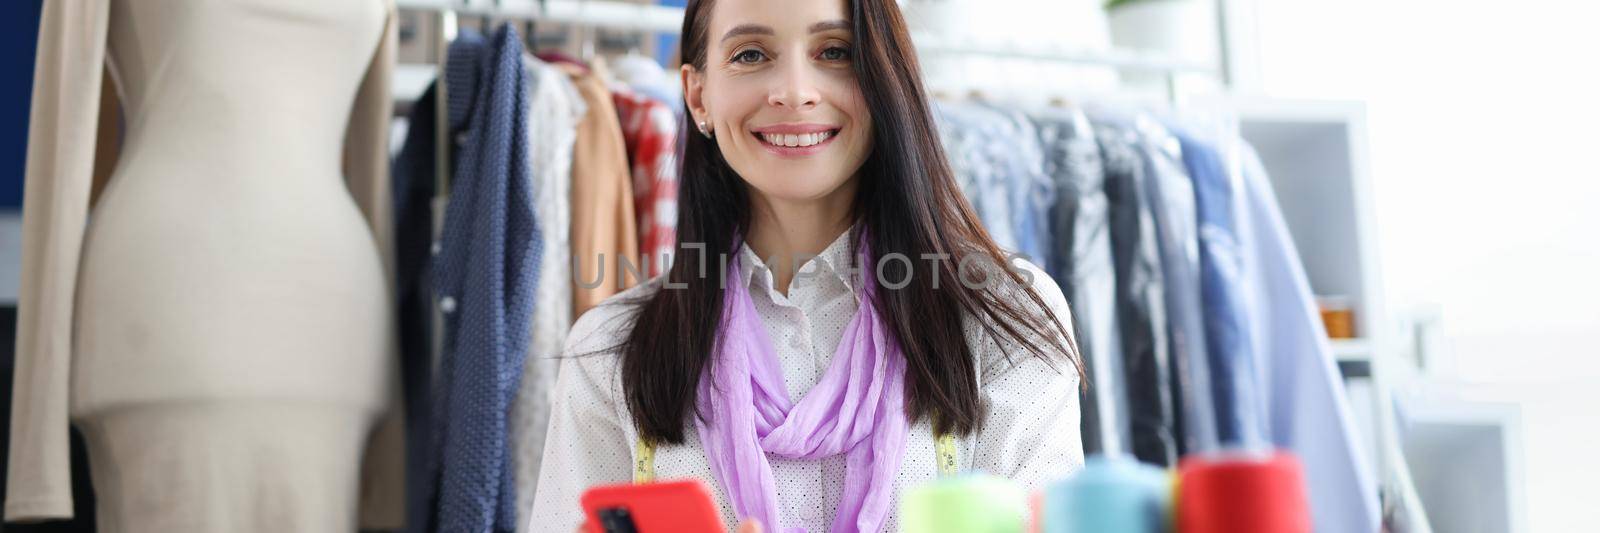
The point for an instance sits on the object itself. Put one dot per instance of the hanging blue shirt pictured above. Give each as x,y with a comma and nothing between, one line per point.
486,272
1222,293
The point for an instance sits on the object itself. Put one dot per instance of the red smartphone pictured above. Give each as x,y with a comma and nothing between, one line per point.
672,506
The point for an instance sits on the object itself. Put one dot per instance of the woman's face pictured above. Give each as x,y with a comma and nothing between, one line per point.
780,97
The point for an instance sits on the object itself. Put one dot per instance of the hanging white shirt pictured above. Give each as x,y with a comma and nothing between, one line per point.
554,110
1029,434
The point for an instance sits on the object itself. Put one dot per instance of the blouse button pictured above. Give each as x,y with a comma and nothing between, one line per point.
447,304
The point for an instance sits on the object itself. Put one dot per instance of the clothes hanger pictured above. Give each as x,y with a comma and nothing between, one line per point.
586,48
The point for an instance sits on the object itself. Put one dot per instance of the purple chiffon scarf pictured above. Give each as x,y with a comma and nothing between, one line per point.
856,409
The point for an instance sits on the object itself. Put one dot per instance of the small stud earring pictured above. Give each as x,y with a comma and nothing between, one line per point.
704,130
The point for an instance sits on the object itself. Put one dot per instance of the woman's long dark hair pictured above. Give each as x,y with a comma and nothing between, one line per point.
907,202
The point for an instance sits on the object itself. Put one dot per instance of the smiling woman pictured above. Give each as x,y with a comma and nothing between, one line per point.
820,329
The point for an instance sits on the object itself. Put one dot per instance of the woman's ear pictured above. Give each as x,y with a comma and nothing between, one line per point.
693,84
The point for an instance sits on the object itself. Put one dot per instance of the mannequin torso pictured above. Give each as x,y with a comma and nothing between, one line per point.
226,259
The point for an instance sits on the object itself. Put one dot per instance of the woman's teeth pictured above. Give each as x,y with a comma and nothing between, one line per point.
803,139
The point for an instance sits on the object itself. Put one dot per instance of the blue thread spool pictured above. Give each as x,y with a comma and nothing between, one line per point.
1118,495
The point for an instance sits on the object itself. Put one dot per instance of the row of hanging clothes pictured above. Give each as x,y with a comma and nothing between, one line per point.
1189,301
1190,304
549,158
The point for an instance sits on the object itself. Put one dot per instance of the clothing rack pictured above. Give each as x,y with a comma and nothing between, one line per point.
596,13
613,14
590,13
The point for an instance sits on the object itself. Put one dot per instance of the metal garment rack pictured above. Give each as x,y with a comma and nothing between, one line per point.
594,13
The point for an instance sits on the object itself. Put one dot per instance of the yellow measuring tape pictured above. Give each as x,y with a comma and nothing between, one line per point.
644,459
644,462
944,448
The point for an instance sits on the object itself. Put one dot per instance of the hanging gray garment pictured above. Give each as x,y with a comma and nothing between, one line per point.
975,142
1029,191
1171,202
1082,265
1141,311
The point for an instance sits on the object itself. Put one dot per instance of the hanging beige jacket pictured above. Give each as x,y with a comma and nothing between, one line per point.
603,225
68,82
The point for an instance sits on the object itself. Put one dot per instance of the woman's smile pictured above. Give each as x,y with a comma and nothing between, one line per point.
795,140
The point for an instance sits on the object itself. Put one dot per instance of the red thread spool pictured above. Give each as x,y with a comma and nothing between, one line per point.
1242,494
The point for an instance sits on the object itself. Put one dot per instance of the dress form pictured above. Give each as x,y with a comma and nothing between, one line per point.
219,324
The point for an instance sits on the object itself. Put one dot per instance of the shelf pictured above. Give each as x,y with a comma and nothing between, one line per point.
1352,349
1354,357
1122,59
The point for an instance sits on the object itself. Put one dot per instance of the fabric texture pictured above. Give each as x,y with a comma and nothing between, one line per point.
1080,229
1305,405
857,409
1222,292
554,108
605,239
1029,434
650,131
486,275
73,319
1141,313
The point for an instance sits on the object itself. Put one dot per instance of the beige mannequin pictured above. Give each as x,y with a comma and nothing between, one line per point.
219,326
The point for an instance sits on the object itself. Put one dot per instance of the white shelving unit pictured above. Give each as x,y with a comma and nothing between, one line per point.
1316,153
1440,435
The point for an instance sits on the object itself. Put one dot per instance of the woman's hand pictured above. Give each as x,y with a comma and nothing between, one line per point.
749,526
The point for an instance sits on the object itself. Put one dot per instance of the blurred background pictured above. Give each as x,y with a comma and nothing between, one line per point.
1435,162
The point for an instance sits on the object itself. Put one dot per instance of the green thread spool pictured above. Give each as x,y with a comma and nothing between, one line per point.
965,504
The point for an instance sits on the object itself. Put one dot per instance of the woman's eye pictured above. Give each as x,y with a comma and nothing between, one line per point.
748,56
836,53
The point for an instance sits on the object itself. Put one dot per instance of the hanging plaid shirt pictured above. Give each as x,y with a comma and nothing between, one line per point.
650,129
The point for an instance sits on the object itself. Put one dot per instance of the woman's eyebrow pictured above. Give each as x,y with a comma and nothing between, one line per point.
747,29
756,29
838,24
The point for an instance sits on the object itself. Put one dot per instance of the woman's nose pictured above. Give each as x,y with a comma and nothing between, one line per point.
795,88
